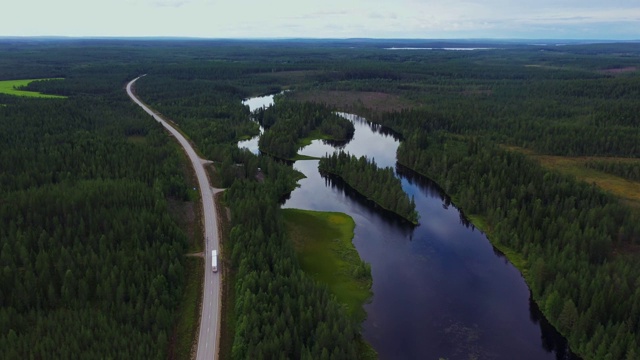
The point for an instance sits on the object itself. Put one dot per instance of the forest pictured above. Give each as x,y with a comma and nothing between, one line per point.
92,264
88,249
288,123
569,232
629,171
380,185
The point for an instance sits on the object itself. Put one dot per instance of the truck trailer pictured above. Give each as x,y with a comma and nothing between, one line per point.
214,260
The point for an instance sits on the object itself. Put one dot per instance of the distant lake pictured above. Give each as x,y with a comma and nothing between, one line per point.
444,48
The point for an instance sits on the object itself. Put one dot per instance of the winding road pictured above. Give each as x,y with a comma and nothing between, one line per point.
209,322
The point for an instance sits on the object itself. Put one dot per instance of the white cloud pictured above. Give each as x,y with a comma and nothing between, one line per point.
329,18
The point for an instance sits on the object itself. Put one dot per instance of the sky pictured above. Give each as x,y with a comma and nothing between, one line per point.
427,19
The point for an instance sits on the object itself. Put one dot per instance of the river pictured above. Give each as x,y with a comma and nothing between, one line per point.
441,290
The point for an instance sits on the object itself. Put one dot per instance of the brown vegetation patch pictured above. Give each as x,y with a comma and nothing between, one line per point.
628,191
620,70
290,78
353,100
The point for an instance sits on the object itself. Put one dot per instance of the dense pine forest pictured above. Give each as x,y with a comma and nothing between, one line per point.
91,260
279,311
380,185
288,123
571,235
92,264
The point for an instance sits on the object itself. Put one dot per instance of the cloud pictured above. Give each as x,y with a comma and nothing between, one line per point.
170,3
329,18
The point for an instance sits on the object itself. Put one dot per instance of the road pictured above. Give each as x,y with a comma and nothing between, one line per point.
209,322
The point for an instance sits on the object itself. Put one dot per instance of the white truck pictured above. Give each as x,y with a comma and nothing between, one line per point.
214,260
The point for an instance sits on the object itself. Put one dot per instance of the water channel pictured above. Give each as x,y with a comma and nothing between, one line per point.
440,289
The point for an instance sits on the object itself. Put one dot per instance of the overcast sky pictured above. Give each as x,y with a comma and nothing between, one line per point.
560,19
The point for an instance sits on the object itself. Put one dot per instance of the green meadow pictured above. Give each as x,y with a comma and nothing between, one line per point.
322,241
11,87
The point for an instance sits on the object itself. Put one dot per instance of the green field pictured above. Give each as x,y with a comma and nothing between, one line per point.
10,87
323,245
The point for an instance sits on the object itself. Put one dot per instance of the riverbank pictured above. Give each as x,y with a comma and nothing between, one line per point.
518,260
322,241
378,184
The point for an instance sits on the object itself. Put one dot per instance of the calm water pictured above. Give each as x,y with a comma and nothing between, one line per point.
440,289
253,104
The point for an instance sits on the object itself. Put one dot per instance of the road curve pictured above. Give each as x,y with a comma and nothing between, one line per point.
209,322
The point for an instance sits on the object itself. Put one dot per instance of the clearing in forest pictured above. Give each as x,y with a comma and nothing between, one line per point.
12,87
625,189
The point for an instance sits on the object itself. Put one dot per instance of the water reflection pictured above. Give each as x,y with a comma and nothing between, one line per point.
431,188
255,103
441,290
388,217
552,341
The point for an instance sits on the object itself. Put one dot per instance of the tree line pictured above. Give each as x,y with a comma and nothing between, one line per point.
287,123
629,171
571,234
380,185
279,311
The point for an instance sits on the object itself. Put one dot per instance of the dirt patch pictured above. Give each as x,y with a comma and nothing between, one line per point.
619,70
353,100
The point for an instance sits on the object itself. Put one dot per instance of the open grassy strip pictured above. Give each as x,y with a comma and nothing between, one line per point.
315,135
10,87
227,320
322,241
323,245
627,190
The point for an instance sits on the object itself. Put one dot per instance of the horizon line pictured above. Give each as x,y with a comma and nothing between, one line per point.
276,38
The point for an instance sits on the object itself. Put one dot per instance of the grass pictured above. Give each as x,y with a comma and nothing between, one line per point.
314,135
304,157
10,87
322,241
323,246
628,191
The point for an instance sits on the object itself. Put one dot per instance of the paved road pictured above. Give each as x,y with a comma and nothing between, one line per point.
209,324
